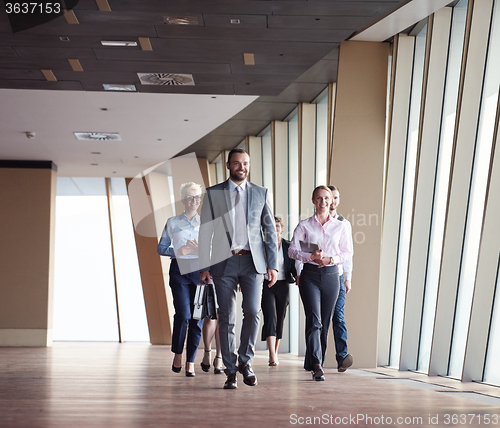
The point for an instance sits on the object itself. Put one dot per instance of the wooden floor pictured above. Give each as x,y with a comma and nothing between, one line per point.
131,385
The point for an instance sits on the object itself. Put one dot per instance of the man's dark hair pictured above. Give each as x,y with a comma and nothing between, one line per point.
236,150
332,188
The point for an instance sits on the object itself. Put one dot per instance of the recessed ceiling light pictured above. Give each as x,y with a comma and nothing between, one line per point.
235,21
186,120
94,164
117,43
103,109
182,20
166,79
112,87
64,39
98,136
96,153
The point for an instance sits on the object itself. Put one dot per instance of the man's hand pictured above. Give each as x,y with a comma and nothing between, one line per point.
205,276
272,277
347,285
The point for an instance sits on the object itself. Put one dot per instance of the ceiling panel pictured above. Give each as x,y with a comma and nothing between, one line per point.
155,67
324,71
323,8
245,21
21,74
31,63
317,22
35,84
295,46
270,34
34,52
7,52
260,110
237,128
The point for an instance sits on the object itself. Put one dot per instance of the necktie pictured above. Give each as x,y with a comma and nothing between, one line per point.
240,222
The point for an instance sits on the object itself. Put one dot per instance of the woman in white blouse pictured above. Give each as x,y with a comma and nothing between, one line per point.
321,242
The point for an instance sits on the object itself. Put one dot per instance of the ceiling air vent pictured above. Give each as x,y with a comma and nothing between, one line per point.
98,136
166,79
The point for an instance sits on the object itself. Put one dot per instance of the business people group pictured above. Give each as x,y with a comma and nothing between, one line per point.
239,246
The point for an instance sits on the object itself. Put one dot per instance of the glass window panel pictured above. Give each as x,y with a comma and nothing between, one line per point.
321,140
477,197
442,180
219,169
293,220
133,321
267,164
407,200
84,292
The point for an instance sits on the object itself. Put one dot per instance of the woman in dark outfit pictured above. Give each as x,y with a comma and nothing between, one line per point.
275,298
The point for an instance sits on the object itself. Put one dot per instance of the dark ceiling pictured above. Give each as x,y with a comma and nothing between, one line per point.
294,45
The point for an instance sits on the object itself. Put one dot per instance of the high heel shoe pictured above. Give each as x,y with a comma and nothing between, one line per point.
206,367
217,370
176,369
190,374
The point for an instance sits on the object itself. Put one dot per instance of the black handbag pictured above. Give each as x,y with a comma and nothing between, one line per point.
205,302
209,309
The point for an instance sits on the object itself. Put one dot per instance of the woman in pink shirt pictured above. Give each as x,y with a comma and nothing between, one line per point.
320,242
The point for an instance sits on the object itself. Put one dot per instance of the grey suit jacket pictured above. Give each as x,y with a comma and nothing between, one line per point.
216,230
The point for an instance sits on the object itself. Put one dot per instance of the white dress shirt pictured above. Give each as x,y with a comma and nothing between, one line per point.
334,238
238,222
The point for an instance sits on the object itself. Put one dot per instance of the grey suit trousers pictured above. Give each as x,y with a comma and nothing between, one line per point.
239,270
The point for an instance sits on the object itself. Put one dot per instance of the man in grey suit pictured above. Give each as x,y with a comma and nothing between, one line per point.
237,244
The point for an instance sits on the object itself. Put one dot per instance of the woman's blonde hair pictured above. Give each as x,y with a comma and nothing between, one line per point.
188,186
322,187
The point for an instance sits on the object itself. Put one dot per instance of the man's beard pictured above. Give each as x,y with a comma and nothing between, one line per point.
234,175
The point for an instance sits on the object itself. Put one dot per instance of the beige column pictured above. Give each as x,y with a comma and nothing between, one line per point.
358,171
27,227
150,203
158,315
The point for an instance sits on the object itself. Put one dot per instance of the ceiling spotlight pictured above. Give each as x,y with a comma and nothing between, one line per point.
235,21
30,135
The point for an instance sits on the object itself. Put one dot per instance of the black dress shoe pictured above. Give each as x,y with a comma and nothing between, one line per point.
346,363
318,373
176,369
249,377
231,382
190,374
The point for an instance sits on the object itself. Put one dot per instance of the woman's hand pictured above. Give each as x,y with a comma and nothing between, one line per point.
190,247
317,255
325,261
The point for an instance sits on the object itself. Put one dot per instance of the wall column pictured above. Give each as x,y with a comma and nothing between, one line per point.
27,228
357,169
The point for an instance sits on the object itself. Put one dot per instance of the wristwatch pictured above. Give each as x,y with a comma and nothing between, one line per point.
331,261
